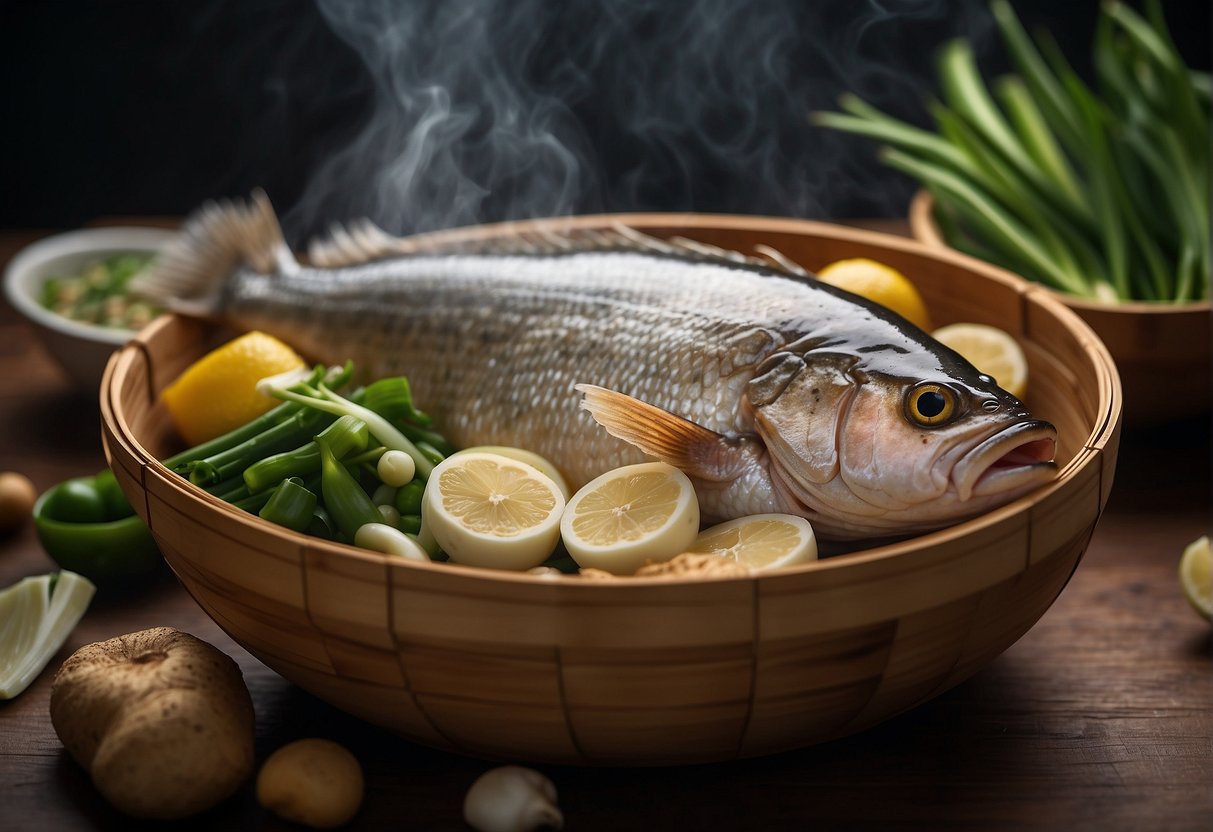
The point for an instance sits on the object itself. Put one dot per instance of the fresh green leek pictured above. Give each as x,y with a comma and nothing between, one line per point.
309,464
345,435
380,427
291,505
346,501
334,377
1099,190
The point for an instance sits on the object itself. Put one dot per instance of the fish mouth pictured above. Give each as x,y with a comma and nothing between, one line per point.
1015,458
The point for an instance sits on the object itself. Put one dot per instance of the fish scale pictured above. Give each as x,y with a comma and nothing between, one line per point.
616,319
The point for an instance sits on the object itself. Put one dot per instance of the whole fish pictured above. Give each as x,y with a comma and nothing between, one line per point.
772,391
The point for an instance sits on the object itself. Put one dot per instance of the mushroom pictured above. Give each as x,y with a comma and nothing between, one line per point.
512,799
313,781
17,496
161,721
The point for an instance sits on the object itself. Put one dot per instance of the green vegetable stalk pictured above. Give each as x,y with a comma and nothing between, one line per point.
344,498
233,461
1099,192
380,426
276,465
321,525
408,498
336,378
292,505
346,435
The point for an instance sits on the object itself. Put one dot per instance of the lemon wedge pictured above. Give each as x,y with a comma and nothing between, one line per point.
1196,575
992,351
218,392
631,516
492,511
880,283
529,457
761,541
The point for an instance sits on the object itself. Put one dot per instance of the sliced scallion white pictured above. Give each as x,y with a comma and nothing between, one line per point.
37,614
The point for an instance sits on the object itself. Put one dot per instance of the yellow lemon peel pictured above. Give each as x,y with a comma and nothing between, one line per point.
218,392
992,351
880,283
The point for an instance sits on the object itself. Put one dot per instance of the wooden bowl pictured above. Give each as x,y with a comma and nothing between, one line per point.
1162,351
646,671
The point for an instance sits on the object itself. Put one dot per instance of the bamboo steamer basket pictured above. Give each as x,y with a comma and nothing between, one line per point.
1163,352
646,671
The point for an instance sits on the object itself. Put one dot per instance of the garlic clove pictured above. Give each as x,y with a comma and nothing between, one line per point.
512,799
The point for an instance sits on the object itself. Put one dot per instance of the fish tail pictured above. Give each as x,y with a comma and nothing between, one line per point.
189,274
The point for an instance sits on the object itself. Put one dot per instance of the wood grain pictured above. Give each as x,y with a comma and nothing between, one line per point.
1100,717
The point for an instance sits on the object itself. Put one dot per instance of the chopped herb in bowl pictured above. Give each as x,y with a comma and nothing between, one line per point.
97,293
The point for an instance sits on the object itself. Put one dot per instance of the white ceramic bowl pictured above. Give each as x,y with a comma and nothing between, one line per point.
80,348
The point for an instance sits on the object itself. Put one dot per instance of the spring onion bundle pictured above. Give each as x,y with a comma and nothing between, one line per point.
327,464
1097,192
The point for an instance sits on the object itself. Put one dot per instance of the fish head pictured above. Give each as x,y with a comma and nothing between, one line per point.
863,452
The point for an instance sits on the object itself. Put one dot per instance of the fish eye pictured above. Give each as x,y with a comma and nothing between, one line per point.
930,404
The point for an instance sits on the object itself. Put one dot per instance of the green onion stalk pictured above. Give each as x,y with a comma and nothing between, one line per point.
334,377
328,401
344,497
346,435
1099,191
303,464
291,505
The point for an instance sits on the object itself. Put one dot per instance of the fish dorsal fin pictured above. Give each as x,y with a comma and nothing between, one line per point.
359,242
781,260
363,242
694,449
189,274
768,257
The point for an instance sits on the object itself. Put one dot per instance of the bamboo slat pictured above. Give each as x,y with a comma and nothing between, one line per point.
647,671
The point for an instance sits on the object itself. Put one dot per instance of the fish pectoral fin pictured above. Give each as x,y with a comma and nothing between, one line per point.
697,451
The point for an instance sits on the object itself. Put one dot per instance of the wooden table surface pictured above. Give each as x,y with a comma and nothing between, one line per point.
1101,717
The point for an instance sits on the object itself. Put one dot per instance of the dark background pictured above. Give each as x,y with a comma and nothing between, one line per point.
531,108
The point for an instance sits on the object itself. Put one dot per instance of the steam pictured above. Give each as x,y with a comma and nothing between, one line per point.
488,110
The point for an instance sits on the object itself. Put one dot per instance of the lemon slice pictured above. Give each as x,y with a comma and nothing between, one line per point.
630,516
761,541
1196,575
880,283
529,457
992,351
489,510
218,392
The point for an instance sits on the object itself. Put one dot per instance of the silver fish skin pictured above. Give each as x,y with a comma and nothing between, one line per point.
774,392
